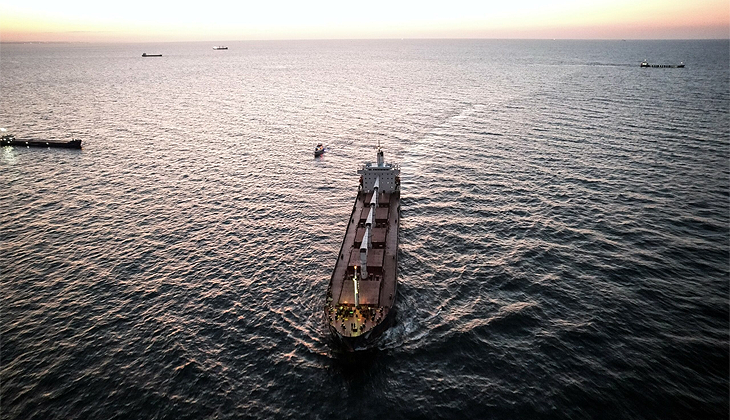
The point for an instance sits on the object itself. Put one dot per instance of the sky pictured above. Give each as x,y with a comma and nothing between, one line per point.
216,20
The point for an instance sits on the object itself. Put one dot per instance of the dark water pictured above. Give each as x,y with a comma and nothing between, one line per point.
565,230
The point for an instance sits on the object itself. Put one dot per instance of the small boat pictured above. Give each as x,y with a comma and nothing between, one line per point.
10,140
151,55
319,150
662,66
220,47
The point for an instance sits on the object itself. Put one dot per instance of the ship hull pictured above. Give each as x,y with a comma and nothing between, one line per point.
376,312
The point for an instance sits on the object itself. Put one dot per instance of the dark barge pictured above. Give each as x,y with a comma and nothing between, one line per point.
10,140
362,290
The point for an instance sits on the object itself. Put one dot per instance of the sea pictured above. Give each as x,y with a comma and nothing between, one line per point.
564,240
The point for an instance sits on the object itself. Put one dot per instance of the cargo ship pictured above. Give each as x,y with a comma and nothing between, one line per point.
10,140
662,66
362,290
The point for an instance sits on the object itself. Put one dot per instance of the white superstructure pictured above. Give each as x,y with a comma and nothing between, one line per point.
382,175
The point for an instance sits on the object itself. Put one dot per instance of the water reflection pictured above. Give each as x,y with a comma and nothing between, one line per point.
8,155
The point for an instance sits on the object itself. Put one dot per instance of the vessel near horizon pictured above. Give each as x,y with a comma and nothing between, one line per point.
362,290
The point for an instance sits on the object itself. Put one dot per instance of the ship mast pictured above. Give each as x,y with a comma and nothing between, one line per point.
366,239
356,286
381,159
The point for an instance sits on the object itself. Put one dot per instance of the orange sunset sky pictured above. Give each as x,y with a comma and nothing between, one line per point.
144,20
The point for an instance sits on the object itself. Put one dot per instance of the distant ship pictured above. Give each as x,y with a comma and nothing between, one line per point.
10,140
220,48
362,290
151,55
662,66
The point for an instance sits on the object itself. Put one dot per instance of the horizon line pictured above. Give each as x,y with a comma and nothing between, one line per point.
369,39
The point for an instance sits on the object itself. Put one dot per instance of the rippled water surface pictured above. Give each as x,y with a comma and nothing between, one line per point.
565,229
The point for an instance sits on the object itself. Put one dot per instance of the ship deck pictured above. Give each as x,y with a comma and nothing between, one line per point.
377,293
